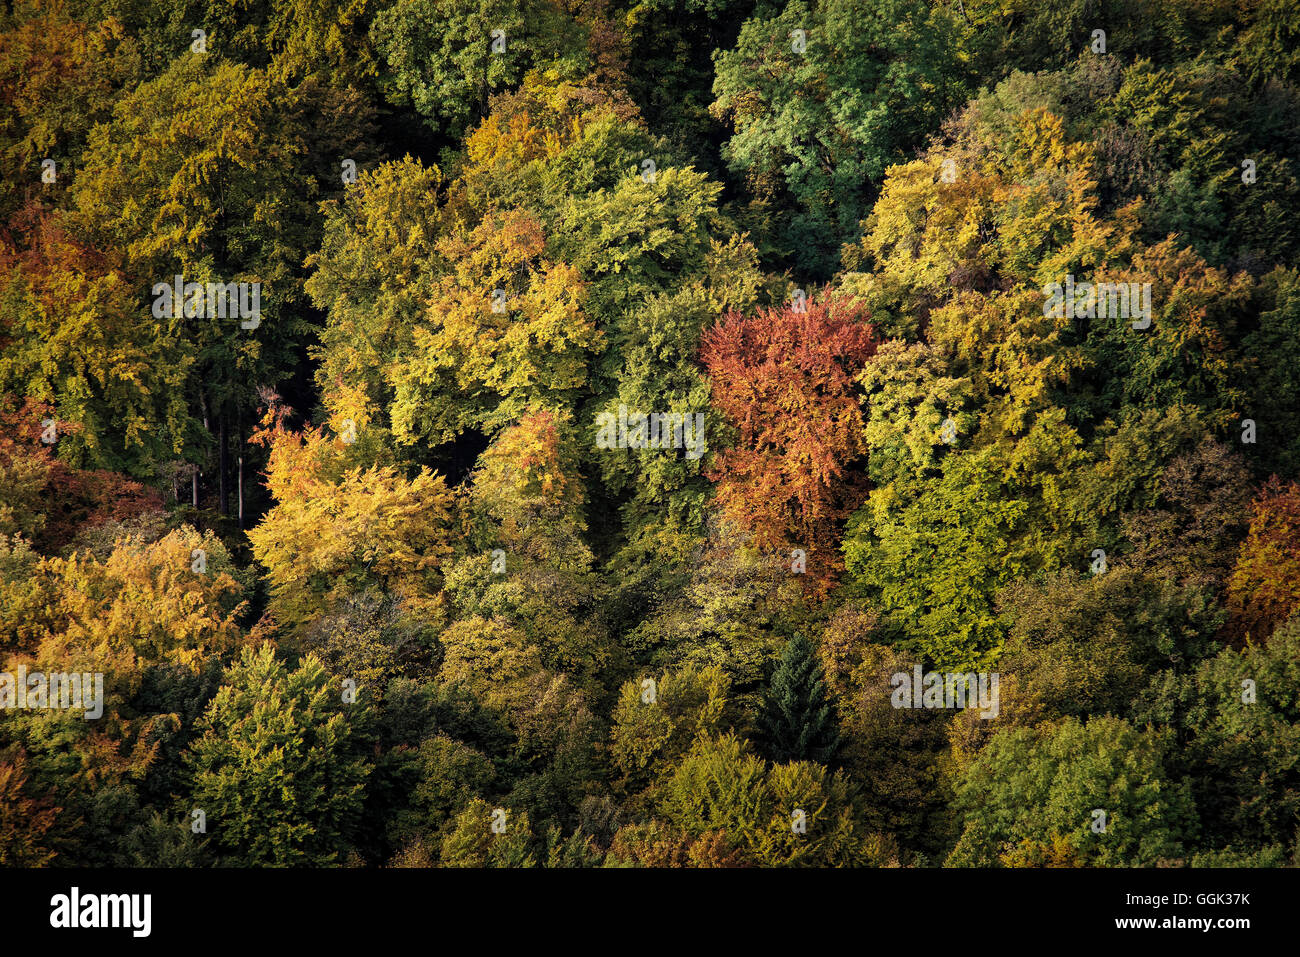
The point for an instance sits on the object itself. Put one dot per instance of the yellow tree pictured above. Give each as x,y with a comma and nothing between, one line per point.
505,330
151,614
336,529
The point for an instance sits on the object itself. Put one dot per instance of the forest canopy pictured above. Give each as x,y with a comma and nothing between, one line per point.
655,433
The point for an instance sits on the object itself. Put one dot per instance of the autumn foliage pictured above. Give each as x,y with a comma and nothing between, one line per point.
46,499
336,527
1264,589
784,381
588,516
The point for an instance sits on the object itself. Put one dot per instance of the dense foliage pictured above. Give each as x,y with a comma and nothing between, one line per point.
678,433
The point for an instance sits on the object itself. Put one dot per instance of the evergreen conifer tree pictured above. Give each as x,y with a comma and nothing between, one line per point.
797,722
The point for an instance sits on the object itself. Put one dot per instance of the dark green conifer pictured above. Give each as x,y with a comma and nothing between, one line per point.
797,722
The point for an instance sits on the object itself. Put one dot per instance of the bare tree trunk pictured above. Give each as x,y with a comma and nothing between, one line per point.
239,435
223,464
197,471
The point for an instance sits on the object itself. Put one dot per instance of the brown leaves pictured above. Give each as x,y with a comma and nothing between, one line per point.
784,381
1264,590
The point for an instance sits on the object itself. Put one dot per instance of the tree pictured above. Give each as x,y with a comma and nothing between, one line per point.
149,608
1081,644
490,658
203,172
1204,509
54,506
63,76
720,786
279,770
445,58
1267,47
789,478
372,637
24,819
487,836
294,39
336,529
796,719
528,488
651,731
909,399
370,277
76,340
652,358
656,844
506,330
725,607
1264,589
895,756
444,775
1272,355
1030,787
552,141
814,127
174,600
938,562
1237,725
529,563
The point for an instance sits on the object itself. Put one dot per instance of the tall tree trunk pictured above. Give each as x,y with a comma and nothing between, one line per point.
239,438
203,402
223,464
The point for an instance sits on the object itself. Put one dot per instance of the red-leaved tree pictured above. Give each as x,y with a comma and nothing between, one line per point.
1264,590
784,379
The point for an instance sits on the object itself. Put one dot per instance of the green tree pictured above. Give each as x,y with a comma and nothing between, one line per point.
1237,723
1030,789
280,771
207,172
487,836
441,59
815,128
797,721
721,786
